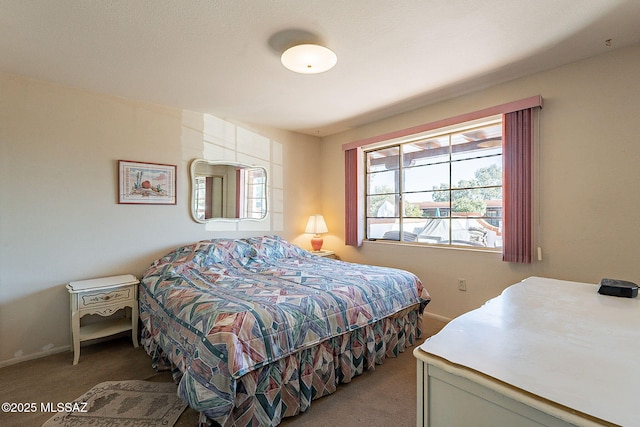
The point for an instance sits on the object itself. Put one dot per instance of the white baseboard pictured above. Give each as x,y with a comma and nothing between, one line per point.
436,317
60,349
32,356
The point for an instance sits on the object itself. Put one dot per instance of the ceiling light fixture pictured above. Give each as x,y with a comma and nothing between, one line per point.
309,59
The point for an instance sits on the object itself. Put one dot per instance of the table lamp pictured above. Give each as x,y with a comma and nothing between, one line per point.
316,226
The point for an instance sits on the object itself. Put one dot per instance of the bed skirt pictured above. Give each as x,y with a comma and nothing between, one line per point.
287,386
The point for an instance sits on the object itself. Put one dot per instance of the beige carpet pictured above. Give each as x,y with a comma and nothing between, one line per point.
120,403
386,396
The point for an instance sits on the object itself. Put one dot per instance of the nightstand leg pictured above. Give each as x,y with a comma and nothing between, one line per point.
75,336
134,325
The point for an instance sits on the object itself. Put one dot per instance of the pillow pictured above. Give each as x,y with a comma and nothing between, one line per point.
221,251
274,247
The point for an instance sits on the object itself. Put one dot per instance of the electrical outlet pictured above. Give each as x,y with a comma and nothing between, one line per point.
462,285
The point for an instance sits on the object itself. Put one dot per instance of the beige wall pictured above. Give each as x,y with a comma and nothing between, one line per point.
59,216
587,184
60,221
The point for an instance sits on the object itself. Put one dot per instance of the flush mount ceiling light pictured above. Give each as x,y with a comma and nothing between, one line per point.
309,59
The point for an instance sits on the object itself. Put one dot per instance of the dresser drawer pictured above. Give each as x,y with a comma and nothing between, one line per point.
91,299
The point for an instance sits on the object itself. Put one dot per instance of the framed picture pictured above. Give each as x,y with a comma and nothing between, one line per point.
146,183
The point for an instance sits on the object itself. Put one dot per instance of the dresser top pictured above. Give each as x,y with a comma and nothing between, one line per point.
555,339
102,282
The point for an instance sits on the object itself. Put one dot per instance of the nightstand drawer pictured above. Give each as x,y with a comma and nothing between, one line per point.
92,299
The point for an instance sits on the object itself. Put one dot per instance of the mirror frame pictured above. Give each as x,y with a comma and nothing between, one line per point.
192,177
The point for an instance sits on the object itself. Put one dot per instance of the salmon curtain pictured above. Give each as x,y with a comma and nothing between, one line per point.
516,186
353,227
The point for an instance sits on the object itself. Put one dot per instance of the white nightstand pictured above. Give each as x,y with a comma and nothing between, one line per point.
103,296
327,254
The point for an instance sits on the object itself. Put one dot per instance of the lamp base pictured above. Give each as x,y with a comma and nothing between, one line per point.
316,243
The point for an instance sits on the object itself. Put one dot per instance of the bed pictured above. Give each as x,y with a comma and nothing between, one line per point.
545,352
255,329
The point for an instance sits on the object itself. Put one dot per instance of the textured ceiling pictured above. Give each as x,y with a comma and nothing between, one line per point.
222,56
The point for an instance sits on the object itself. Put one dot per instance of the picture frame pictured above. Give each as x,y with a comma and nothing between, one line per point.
144,183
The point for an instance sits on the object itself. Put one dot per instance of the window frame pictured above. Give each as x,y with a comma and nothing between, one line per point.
401,192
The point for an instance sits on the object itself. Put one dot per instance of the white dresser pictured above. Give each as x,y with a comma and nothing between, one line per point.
103,296
544,353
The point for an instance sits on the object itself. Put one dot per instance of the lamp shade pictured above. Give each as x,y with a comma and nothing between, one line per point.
309,59
316,225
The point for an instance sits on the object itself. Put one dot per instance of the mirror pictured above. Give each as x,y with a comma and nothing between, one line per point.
227,190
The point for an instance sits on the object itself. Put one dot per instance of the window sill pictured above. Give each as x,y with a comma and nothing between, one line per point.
431,246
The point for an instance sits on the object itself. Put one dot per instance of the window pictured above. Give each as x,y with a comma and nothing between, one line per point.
253,188
518,118
443,188
199,194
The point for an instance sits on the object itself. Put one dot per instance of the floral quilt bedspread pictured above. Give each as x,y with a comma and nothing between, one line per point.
224,307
